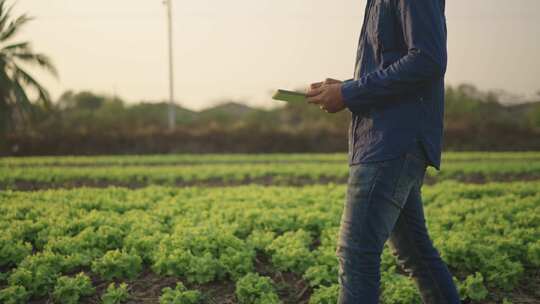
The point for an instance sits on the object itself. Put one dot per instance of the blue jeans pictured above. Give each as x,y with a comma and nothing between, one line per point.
384,204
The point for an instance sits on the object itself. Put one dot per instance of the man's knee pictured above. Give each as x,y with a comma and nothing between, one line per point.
358,259
414,257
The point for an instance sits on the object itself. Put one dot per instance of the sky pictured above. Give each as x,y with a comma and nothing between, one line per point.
243,49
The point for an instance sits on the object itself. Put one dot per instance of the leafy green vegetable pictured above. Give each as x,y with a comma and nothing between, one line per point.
179,295
37,273
260,239
14,294
533,253
255,289
118,264
398,289
69,290
115,295
13,251
203,254
325,295
291,251
473,288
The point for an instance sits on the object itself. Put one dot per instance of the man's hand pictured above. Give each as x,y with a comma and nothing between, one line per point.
327,95
317,85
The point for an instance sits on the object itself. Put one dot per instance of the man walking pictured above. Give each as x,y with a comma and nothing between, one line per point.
397,104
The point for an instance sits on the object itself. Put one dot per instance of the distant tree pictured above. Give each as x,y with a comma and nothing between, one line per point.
534,116
14,80
81,101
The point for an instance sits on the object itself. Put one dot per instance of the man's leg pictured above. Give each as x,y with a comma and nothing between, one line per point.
411,243
376,194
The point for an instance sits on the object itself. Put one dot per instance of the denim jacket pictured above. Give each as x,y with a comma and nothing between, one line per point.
397,94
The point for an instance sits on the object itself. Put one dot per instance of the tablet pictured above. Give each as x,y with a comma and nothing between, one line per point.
290,96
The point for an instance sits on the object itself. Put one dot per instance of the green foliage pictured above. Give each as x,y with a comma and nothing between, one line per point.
14,294
203,254
81,101
37,273
473,288
488,249
534,116
14,79
115,295
179,295
142,243
533,253
13,251
466,105
156,171
320,275
325,269
210,234
69,290
398,289
87,245
3,277
260,239
290,251
325,295
118,264
255,289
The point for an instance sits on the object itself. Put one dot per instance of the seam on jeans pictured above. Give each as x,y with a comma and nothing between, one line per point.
421,260
372,187
398,181
393,202
373,181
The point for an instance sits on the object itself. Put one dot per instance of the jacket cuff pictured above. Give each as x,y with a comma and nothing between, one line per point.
348,90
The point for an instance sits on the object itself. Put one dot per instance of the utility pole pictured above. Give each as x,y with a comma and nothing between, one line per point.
172,114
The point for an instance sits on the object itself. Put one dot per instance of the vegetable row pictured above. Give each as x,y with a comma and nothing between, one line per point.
281,174
54,242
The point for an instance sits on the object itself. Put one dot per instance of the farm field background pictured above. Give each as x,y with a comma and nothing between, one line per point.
247,228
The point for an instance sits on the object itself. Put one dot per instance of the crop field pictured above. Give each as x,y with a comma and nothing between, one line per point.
232,170
248,229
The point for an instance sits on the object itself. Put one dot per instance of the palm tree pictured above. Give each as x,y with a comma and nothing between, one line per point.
14,80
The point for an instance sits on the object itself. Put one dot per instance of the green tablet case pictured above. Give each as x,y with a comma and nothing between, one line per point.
290,96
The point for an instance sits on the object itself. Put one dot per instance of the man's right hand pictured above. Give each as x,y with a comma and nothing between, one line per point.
317,85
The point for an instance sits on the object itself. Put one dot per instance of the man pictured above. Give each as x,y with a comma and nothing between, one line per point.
397,103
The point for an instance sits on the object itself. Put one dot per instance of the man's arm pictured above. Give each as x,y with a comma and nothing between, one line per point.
424,33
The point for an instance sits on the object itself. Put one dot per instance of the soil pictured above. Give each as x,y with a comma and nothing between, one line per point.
526,292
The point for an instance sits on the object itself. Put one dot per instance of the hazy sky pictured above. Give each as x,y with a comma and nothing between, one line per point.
241,49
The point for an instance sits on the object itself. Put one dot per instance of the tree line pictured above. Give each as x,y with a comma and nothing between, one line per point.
90,123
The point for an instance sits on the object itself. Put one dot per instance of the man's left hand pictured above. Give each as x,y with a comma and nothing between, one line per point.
327,96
